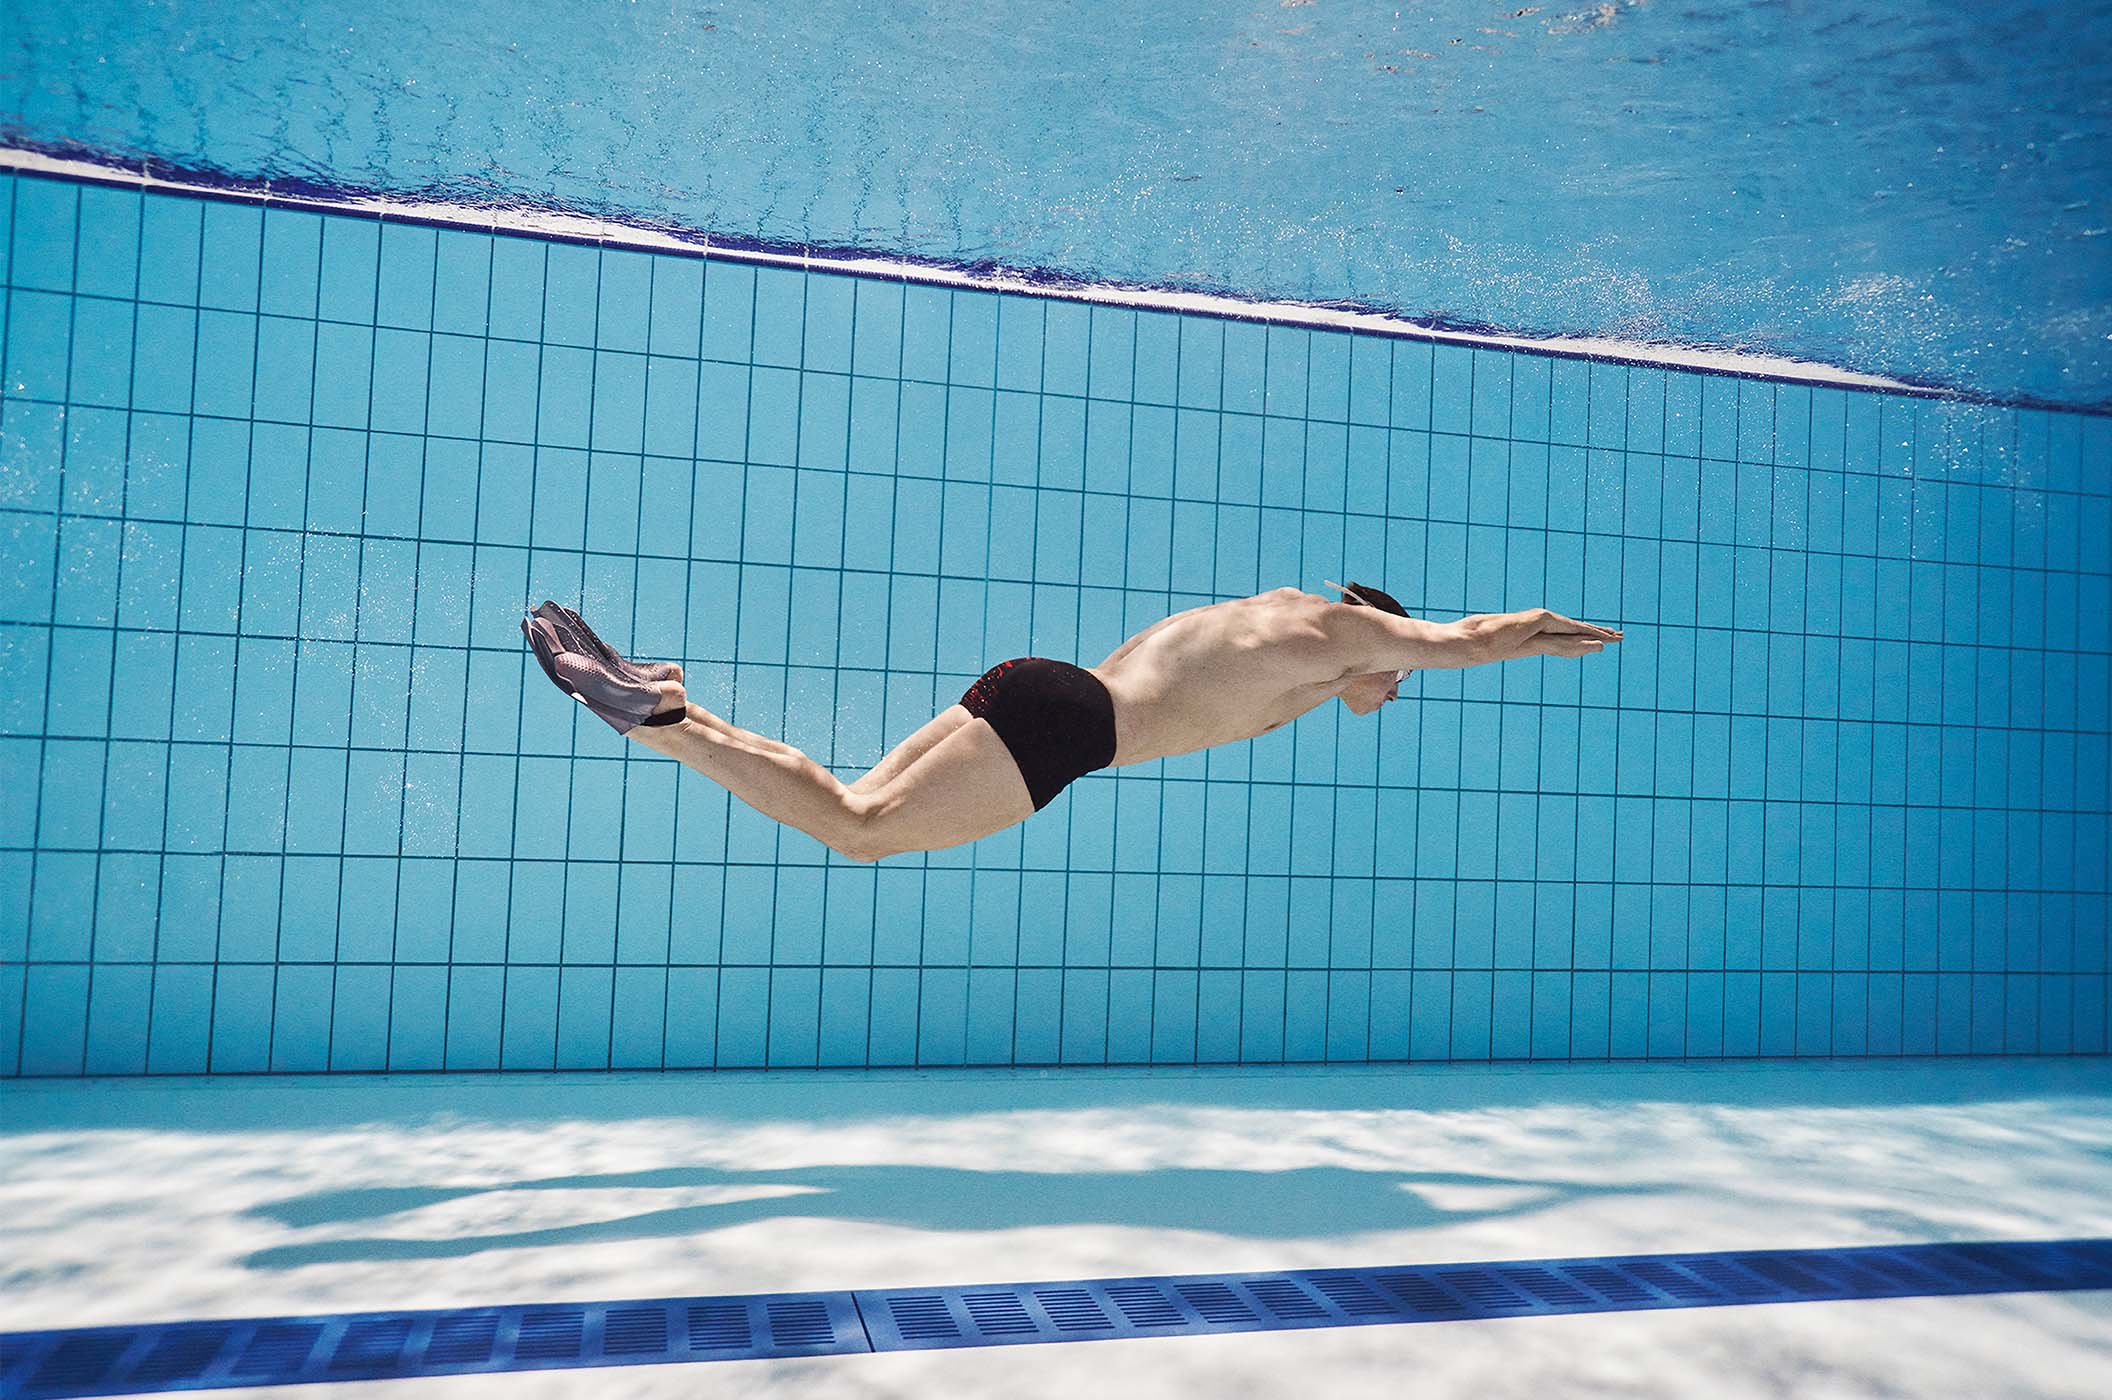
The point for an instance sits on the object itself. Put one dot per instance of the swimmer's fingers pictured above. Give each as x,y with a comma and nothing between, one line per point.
1559,625
1565,644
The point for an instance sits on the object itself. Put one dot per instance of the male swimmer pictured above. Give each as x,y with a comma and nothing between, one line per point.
1032,726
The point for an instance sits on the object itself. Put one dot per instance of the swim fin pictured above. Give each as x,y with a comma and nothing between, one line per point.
619,691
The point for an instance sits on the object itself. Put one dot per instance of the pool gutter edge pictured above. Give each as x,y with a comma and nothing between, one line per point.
561,226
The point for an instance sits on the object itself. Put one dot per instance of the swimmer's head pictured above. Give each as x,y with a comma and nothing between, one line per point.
1365,694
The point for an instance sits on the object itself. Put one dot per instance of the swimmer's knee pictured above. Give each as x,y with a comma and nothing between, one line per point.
865,827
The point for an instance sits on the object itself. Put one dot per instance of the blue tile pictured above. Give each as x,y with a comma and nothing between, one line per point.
168,252
831,312
927,318
226,366
87,573
1066,347
729,312
678,307
972,340
46,229
1021,331
231,248
1492,393
671,407
102,353
68,811
1112,353
1608,405
626,300
110,243
405,289
394,465
612,503
285,379
178,1029
571,287
1452,381
1158,359
1287,351
824,421
565,398
39,340
417,1006
529,1029
1327,376
584,1017
241,1009
462,282
54,1017
1897,425
344,361
876,347
773,416
1414,368
516,290
455,386
292,271
619,402
1062,464
779,316
1646,410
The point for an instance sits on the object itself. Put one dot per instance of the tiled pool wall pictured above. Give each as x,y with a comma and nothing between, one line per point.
283,792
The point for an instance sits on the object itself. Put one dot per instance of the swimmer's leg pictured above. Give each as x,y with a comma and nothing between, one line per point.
775,779
913,748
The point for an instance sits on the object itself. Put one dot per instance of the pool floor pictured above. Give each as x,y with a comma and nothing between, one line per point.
135,1201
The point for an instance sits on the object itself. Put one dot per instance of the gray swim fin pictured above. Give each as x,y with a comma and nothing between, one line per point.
619,691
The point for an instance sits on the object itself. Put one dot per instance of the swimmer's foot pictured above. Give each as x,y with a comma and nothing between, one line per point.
623,694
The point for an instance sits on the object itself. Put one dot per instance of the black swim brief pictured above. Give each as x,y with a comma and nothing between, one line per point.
1057,719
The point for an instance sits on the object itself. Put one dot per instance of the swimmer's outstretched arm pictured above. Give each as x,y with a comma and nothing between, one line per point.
1368,640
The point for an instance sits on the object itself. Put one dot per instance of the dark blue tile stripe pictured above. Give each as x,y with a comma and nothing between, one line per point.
367,1346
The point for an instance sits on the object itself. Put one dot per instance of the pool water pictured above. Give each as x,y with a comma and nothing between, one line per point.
1922,190
874,364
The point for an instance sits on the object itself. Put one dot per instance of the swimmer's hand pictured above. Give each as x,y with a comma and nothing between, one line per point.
1533,632
1556,635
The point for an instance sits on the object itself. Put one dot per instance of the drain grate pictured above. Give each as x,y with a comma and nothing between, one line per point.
289,1351
293,1350
463,1341
923,1317
635,1332
1091,1308
721,1327
1072,1309
996,1314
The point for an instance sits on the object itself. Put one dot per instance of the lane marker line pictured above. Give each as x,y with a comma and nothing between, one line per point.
656,1331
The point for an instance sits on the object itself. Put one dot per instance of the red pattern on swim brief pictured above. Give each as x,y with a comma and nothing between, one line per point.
979,696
